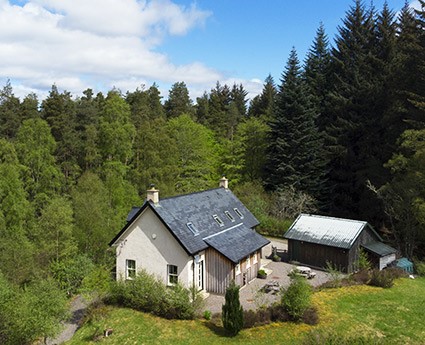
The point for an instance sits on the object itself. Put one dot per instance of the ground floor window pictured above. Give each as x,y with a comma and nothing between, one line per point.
172,275
130,269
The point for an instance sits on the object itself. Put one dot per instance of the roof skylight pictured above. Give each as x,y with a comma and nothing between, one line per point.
192,228
227,213
218,220
238,213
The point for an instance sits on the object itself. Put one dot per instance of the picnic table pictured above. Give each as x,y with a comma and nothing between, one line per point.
272,286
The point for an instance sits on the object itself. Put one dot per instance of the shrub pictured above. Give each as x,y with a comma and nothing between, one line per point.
232,312
177,304
363,262
361,277
420,268
384,278
335,275
310,316
69,273
207,315
146,293
296,298
278,313
262,274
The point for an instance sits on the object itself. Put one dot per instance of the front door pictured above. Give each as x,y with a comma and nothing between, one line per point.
201,275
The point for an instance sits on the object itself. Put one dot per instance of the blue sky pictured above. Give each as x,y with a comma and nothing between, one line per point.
129,43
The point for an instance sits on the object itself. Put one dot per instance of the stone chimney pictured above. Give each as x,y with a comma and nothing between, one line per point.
224,182
152,194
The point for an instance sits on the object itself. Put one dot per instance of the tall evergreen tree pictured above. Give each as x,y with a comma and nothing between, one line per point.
58,109
178,101
293,154
10,112
316,74
354,119
262,105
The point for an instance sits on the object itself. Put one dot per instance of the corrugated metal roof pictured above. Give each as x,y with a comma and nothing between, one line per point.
329,231
379,248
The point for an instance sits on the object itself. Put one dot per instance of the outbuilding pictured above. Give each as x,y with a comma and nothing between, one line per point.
318,240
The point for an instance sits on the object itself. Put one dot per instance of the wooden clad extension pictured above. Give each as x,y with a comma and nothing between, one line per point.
219,271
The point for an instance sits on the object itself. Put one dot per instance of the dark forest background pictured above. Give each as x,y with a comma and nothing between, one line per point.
341,133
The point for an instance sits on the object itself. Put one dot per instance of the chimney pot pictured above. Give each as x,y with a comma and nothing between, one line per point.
224,182
152,194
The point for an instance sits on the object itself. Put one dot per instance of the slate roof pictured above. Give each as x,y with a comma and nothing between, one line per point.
379,248
329,231
237,243
199,209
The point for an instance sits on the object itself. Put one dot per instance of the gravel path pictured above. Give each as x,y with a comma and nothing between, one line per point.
78,308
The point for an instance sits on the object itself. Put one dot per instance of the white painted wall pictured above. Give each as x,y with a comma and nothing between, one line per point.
385,260
153,247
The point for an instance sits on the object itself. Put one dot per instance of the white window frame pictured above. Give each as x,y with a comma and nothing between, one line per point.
231,218
239,213
130,271
255,258
171,275
248,262
218,220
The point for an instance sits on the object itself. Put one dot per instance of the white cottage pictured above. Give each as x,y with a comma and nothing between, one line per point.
205,238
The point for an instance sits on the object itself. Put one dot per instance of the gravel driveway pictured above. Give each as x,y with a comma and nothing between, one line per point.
250,298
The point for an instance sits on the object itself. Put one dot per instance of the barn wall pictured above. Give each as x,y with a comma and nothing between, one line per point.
317,255
366,236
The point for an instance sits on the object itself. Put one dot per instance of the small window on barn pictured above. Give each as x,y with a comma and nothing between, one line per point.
130,269
192,228
218,220
172,275
227,213
238,213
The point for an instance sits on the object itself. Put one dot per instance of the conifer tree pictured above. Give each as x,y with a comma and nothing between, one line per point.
293,155
178,101
354,119
232,312
10,112
262,105
316,74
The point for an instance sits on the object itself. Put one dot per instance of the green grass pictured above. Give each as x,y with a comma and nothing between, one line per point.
393,316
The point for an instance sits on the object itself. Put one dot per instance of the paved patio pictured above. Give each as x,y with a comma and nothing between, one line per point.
249,295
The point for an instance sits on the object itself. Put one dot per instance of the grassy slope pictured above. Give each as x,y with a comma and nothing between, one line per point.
394,315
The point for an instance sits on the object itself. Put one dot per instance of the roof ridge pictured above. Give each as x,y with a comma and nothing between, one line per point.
222,231
188,194
336,218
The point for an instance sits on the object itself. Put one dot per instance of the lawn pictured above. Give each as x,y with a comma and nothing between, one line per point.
391,316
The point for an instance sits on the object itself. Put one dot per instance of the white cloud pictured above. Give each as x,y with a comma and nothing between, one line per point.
77,44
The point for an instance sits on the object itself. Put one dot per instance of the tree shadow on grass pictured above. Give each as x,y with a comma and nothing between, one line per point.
218,330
